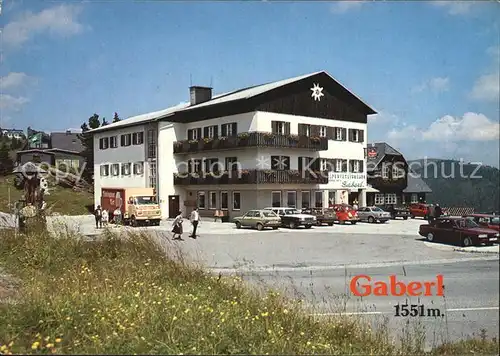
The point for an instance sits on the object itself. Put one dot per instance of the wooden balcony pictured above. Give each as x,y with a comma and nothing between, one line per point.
251,177
252,139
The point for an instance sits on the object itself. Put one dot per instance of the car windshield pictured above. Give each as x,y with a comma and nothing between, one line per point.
269,214
376,209
145,200
495,220
466,223
290,211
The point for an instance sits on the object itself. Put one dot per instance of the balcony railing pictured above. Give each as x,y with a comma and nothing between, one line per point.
252,139
252,177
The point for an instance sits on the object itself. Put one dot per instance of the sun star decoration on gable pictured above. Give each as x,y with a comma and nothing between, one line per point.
317,92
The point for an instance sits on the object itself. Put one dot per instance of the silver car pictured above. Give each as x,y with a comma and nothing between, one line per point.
373,214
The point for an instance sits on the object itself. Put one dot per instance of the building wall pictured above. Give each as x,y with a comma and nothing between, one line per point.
42,157
118,155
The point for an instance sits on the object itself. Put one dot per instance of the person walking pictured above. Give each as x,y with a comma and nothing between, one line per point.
195,219
437,211
98,217
105,217
177,227
431,213
117,216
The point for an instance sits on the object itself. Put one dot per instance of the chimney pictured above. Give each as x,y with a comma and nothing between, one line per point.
199,95
68,132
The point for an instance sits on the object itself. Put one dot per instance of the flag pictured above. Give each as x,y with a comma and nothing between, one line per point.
36,138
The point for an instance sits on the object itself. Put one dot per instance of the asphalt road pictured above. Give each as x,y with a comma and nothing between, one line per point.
470,303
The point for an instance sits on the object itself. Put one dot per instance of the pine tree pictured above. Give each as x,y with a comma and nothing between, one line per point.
6,163
87,140
116,118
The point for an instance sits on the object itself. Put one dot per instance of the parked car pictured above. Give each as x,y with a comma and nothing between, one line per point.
258,219
460,231
323,216
419,210
345,212
396,212
373,214
486,220
293,218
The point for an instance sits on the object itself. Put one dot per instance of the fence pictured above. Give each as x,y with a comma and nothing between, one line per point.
459,211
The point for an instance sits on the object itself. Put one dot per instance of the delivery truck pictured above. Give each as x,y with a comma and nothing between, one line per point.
138,206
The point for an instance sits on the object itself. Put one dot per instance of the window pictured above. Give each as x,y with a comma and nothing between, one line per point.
201,200
229,129
390,199
304,130
36,159
125,169
104,143
338,165
386,169
210,131
212,165
152,174
212,200
139,168
355,166
276,199
379,199
356,135
194,134
194,166
236,201
306,200
331,198
308,163
223,201
338,133
324,165
126,140
138,138
318,199
152,143
291,199
397,170
115,169
280,163
322,131
113,142
280,127
414,198
104,170
231,164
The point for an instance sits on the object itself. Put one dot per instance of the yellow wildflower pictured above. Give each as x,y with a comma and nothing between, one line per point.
35,345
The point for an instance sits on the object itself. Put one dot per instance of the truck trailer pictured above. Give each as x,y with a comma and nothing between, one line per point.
138,205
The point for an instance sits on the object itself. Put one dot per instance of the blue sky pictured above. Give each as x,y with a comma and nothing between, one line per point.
431,70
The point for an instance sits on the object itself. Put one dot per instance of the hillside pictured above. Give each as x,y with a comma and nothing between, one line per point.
61,200
460,185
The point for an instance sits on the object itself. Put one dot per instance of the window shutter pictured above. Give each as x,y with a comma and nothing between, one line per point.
301,130
100,143
205,131
190,134
216,131
351,135
287,128
300,163
223,129
361,166
330,133
351,165
198,130
286,162
344,134
122,140
235,128
344,165
274,126
274,161
314,130
361,136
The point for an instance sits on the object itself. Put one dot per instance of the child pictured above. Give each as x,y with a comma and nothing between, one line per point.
105,217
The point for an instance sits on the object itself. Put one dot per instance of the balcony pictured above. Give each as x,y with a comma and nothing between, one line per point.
251,139
251,177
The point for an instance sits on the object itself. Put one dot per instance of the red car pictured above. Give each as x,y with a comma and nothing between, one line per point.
459,231
419,210
486,220
345,212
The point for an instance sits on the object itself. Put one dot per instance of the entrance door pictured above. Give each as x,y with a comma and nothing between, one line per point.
173,206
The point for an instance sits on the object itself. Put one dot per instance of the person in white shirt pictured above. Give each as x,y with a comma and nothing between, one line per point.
177,229
195,218
105,217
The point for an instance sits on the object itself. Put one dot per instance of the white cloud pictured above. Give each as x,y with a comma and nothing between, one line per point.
437,85
455,7
59,20
9,102
487,87
384,117
341,7
13,80
494,52
470,127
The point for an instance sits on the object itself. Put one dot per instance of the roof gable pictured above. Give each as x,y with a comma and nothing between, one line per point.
251,96
66,141
377,151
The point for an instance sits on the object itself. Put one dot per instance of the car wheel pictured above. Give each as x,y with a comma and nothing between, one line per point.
319,223
353,222
405,217
371,220
342,222
426,217
412,216
430,237
275,228
259,226
307,226
133,221
292,225
330,224
467,241
238,225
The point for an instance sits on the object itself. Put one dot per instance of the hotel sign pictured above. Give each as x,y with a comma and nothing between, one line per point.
352,181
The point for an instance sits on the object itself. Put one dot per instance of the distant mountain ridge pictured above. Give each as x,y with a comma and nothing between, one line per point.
460,184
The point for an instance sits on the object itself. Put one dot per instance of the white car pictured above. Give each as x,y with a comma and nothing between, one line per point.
293,218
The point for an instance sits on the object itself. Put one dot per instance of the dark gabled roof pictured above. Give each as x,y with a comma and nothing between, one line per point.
66,141
230,97
382,149
416,184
